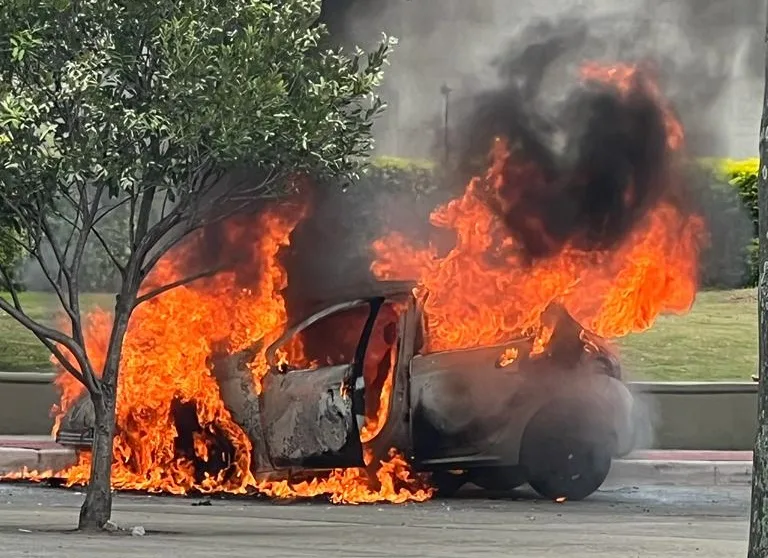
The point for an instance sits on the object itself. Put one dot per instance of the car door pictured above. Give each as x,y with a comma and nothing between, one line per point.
313,396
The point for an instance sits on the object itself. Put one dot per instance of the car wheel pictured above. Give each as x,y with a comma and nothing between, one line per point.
448,483
566,452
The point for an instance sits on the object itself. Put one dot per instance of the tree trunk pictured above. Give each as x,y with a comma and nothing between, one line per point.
758,531
97,507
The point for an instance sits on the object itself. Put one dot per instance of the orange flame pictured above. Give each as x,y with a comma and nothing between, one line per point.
482,292
165,364
508,357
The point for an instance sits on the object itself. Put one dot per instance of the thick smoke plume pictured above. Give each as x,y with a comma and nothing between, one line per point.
336,14
709,51
600,157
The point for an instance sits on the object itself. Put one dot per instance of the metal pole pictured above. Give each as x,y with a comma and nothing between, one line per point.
445,91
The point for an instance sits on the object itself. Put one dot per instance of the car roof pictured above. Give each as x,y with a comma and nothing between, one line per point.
368,290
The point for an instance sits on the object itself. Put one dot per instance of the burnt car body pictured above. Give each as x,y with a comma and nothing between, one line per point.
554,420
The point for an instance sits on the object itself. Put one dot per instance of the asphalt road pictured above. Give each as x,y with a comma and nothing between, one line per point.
669,521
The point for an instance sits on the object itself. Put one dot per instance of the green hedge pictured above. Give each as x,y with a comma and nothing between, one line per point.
399,194
11,255
742,175
739,177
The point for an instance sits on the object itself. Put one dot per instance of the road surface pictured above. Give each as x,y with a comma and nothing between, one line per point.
618,522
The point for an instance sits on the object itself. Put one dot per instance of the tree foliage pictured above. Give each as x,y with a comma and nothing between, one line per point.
131,124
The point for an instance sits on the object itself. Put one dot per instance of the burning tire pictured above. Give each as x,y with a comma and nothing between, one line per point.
567,451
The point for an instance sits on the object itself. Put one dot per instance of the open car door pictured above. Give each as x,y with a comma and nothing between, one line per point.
311,414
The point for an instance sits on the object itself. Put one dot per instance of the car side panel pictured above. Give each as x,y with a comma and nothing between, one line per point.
466,409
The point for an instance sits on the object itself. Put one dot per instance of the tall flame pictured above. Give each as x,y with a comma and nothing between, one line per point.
484,292
165,367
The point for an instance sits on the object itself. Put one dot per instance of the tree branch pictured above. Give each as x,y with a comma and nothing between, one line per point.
180,283
63,264
53,335
35,252
66,304
67,246
128,199
87,216
145,209
84,379
166,199
11,289
120,266
191,226
132,222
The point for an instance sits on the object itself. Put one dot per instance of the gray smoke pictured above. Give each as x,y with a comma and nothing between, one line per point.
709,53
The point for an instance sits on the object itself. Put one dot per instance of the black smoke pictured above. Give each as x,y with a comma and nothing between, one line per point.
337,14
598,158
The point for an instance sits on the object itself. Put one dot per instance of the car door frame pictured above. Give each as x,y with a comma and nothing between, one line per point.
338,392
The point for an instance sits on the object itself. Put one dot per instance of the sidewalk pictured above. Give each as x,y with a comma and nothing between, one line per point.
683,467
699,468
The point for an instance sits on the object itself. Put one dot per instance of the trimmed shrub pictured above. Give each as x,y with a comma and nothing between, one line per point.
10,256
742,175
737,178
753,263
397,194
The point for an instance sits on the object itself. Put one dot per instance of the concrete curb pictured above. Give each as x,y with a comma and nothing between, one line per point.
632,471
15,460
690,473
678,415
690,455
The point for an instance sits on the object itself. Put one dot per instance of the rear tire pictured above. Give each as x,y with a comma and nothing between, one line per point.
566,451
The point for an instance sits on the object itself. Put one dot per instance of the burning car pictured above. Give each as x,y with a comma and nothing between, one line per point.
497,416
479,354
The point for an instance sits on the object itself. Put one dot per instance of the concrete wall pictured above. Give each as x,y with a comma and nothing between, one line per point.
699,415
703,416
25,402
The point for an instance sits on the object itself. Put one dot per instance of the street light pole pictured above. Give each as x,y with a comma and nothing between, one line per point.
445,91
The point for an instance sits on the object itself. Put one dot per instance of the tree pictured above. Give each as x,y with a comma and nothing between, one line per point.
10,256
758,531
175,112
